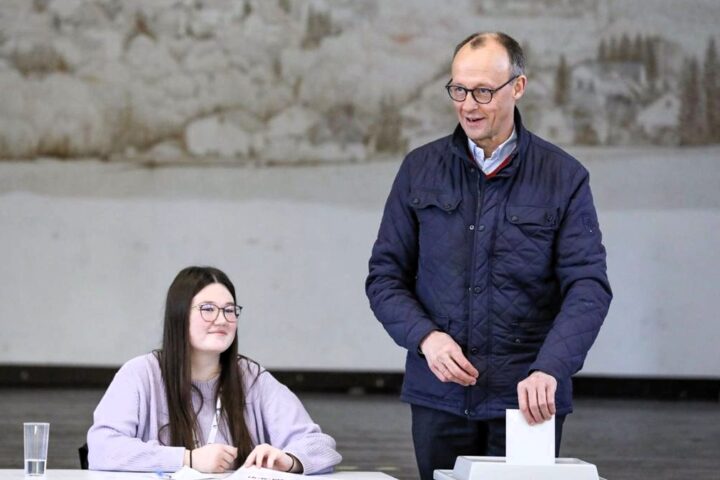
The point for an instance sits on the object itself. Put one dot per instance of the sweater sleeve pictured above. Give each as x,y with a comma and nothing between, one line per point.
114,440
287,426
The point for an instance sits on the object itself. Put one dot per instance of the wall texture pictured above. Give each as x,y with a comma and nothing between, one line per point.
262,136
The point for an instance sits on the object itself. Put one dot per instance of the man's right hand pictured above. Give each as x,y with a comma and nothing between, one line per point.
446,360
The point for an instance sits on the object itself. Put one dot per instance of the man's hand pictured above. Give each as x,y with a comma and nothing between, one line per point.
446,360
536,397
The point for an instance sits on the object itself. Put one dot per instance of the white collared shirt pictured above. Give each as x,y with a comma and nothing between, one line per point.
491,164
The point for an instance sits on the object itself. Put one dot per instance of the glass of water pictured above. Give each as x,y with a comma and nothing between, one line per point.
36,435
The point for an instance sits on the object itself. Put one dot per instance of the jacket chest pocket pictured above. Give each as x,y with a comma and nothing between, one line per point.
440,224
434,207
536,224
428,199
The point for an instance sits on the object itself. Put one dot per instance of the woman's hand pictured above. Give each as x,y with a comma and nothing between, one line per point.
267,456
214,458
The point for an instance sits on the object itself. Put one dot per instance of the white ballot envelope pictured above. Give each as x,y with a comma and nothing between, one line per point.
527,444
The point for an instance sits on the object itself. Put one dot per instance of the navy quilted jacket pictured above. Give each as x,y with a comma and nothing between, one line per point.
512,267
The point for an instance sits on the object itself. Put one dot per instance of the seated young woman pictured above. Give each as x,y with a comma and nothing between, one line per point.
197,402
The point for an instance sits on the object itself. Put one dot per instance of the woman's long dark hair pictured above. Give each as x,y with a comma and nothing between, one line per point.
174,359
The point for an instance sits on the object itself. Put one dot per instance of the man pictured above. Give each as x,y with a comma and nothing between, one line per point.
488,267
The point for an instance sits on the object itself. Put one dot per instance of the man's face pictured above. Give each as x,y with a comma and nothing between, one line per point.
488,66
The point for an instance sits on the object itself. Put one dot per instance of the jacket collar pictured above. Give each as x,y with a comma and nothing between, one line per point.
459,146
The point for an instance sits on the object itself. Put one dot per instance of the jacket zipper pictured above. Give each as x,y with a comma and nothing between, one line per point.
491,248
480,184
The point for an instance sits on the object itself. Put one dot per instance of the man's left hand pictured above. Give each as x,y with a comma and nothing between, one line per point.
536,397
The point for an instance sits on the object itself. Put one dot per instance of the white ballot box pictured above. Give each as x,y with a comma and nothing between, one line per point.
495,468
530,451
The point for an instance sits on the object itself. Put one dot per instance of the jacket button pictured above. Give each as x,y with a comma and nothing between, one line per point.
517,340
481,228
472,227
514,218
477,289
415,201
467,411
474,350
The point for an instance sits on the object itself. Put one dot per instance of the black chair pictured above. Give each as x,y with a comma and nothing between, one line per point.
83,454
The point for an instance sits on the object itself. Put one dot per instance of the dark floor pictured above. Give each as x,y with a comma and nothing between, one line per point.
626,439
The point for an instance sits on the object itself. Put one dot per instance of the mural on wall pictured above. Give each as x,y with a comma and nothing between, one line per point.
93,93
268,82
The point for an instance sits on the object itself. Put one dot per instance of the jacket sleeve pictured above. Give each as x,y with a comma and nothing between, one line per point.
286,425
580,266
393,266
113,442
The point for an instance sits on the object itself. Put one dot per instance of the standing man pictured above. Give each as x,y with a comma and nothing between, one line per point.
488,267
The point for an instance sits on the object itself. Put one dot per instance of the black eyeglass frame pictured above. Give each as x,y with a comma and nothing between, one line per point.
238,311
483,90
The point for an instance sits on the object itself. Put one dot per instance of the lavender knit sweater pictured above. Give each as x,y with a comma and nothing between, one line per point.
124,435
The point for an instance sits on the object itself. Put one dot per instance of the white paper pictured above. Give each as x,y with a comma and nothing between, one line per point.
528,444
187,473
254,473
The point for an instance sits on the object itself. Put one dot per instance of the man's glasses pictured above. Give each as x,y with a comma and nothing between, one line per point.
480,94
210,312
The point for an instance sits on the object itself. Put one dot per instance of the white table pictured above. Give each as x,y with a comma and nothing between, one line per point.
55,474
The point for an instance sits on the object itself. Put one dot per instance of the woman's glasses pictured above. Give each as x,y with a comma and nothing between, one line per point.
209,312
